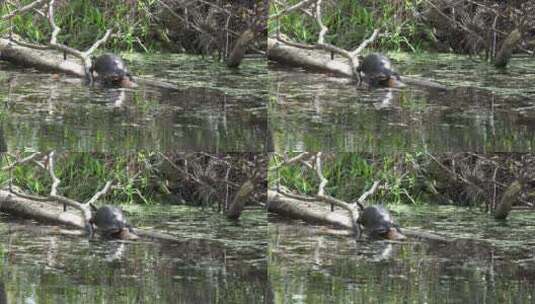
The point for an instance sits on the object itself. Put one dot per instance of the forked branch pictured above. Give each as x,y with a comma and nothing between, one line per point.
53,44
84,56
317,159
351,56
54,196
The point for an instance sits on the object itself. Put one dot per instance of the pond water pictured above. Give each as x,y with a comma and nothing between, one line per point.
483,110
215,261
486,261
214,109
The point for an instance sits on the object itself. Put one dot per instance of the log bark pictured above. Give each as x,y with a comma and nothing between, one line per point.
319,60
46,60
40,211
19,11
312,212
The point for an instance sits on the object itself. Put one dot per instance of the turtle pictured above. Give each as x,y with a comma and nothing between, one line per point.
378,71
112,71
111,223
379,223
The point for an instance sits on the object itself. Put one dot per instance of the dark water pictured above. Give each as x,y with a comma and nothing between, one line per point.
488,262
215,261
484,109
215,109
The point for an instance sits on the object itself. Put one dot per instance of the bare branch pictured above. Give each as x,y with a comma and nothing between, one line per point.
55,31
439,11
290,8
323,180
324,29
54,37
39,164
55,179
100,193
40,13
222,9
452,173
22,161
97,43
365,43
284,40
286,192
23,9
53,195
371,191
290,161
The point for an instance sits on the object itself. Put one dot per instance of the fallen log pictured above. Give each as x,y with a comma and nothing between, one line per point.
40,211
319,213
311,212
48,60
47,212
45,60
320,60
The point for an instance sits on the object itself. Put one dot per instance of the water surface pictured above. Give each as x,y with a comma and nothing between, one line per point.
215,261
486,261
484,109
214,108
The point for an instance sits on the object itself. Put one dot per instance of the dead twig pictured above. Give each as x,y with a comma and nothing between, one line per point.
100,193
290,161
286,10
368,193
21,161
23,9
321,195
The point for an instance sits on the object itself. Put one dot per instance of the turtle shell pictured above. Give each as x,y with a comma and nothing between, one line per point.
376,219
110,220
377,68
110,67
